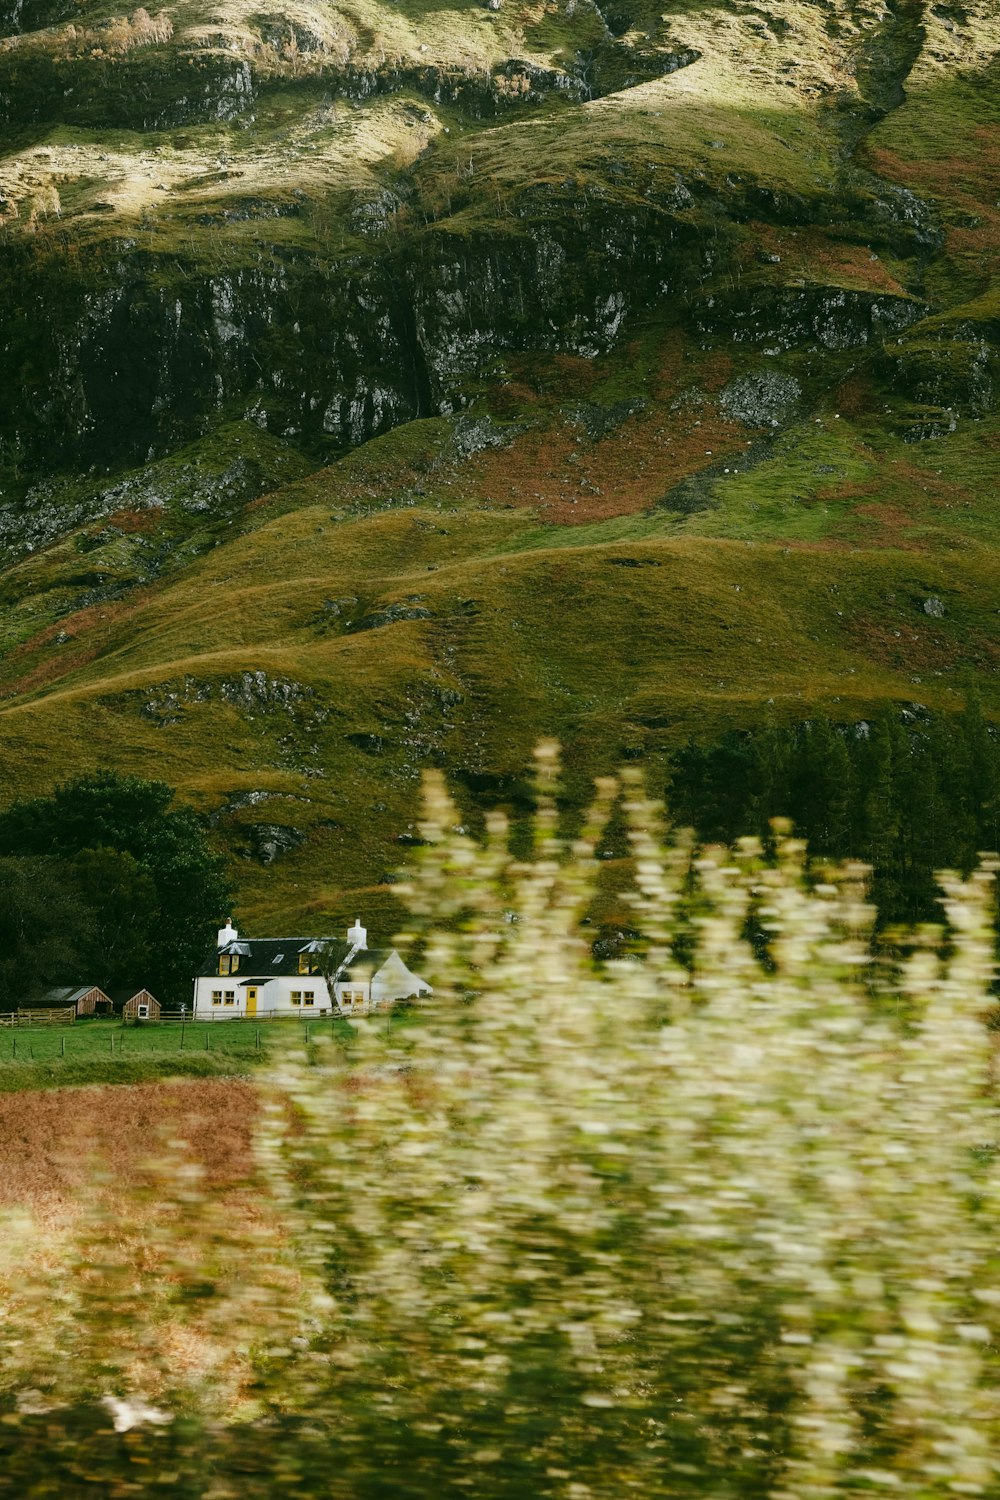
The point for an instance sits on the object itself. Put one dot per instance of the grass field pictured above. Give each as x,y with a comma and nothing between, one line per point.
101,1051
42,1165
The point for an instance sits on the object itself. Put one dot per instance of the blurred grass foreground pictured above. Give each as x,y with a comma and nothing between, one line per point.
717,1221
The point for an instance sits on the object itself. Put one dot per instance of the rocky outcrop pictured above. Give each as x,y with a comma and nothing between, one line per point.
135,357
74,80
814,317
134,354
327,320
957,375
151,89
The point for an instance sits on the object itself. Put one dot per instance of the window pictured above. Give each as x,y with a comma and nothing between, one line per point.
308,963
216,997
230,997
229,963
353,997
296,997
308,997
142,1012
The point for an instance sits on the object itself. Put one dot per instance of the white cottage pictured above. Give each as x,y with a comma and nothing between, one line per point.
301,976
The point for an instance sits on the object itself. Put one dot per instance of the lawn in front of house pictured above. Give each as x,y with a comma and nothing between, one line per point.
108,1051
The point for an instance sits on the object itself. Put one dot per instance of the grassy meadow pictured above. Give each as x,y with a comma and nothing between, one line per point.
342,639
93,1052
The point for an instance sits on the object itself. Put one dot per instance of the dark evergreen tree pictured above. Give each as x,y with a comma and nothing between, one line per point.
926,842
908,798
105,811
123,913
822,788
980,777
43,927
714,786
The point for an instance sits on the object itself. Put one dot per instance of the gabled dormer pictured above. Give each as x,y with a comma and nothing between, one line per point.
230,957
311,957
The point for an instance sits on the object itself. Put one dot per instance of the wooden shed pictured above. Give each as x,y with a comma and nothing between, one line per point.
86,999
142,1006
92,1002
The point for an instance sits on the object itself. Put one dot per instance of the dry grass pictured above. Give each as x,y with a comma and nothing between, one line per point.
81,1196
51,1140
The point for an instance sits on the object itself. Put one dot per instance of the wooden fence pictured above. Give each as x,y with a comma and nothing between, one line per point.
307,1013
49,1016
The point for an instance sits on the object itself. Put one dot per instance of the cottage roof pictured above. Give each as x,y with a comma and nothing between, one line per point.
272,958
369,959
259,956
121,995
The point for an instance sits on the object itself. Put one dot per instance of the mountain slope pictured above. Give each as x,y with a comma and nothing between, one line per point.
387,385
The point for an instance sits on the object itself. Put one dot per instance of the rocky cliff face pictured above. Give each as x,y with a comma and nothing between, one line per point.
301,223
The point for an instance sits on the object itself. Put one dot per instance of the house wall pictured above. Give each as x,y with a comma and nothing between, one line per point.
394,981
273,995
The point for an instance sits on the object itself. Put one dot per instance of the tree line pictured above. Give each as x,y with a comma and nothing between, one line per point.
105,882
909,794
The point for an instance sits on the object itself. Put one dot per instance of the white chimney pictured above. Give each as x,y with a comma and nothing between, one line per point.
227,934
357,935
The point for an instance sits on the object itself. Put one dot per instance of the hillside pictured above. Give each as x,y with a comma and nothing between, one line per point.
387,385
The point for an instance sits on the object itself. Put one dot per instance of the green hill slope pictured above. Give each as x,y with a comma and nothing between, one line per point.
387,385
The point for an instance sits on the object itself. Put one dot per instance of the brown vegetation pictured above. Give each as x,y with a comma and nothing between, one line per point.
113,37
52,1140
573,480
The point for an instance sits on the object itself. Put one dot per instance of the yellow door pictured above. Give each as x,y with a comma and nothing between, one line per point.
251,1002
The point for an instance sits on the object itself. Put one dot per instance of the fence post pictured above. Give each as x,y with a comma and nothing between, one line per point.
182,1036
62,1046
208,1041
112,1044
15,1047
257,1039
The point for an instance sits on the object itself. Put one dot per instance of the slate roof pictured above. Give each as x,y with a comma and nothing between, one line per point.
369,959
67,994
270,958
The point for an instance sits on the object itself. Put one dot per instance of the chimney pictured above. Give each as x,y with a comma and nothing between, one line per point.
357,935
227,934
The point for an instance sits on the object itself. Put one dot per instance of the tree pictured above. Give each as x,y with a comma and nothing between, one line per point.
714,786
105,812
910,798
980,780
43,923
123,913
821,807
